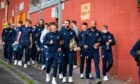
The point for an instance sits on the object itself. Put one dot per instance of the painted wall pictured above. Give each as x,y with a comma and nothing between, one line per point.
123,20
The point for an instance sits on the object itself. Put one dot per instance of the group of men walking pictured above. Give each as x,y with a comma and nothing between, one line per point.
49,47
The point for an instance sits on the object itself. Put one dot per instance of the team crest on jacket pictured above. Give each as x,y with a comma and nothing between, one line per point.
51,36
109,37
103,36
10,31
90,34
64,33
82,35
97,34
71,33
57,37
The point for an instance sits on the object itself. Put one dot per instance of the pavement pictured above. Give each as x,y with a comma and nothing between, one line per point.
8,78
33,75
39,75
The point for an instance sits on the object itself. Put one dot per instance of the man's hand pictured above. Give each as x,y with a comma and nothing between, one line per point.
17,42
85,46
78,48
51,42
38,49
13,44
110,41
96,45
59,49
138,52
107,43
3,43
30,45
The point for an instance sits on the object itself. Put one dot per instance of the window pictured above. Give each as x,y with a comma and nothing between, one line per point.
34,2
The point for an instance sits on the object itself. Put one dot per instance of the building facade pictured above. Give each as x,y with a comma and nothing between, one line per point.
122,16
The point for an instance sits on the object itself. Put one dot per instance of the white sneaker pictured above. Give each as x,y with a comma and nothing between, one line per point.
54,80
25,65
33,62
75,66
28,63
82,76
43,67
60,76
90,76
70,80
64,80
105,78
47,77
15,62
97,81
19,63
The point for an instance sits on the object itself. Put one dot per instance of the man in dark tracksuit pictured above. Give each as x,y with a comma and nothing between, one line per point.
51,40
135,52
67,34
39,46
34,49
25,42
15,45
107,42
93,40
4,37
8,40
83,35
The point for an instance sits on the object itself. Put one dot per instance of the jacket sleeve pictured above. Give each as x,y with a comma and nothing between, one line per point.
3,35
14,36
113,40
134,49
99,40
76,39
46,40
79,38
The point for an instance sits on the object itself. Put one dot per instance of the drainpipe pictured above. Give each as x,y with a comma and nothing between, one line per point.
6,10
59,15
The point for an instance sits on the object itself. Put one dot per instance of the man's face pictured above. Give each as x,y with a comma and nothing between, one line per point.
34,27
93,24
19,25
84,27
27,24
30,24
54,28
105,30
47,27
41,22
8,25
66,24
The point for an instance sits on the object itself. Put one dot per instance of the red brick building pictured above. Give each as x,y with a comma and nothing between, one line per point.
122,16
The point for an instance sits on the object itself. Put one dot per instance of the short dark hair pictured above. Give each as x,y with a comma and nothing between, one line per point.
47,24
85,23
73,21
68,20
27,20
41,20
105,26
30,22
53,24
20,22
